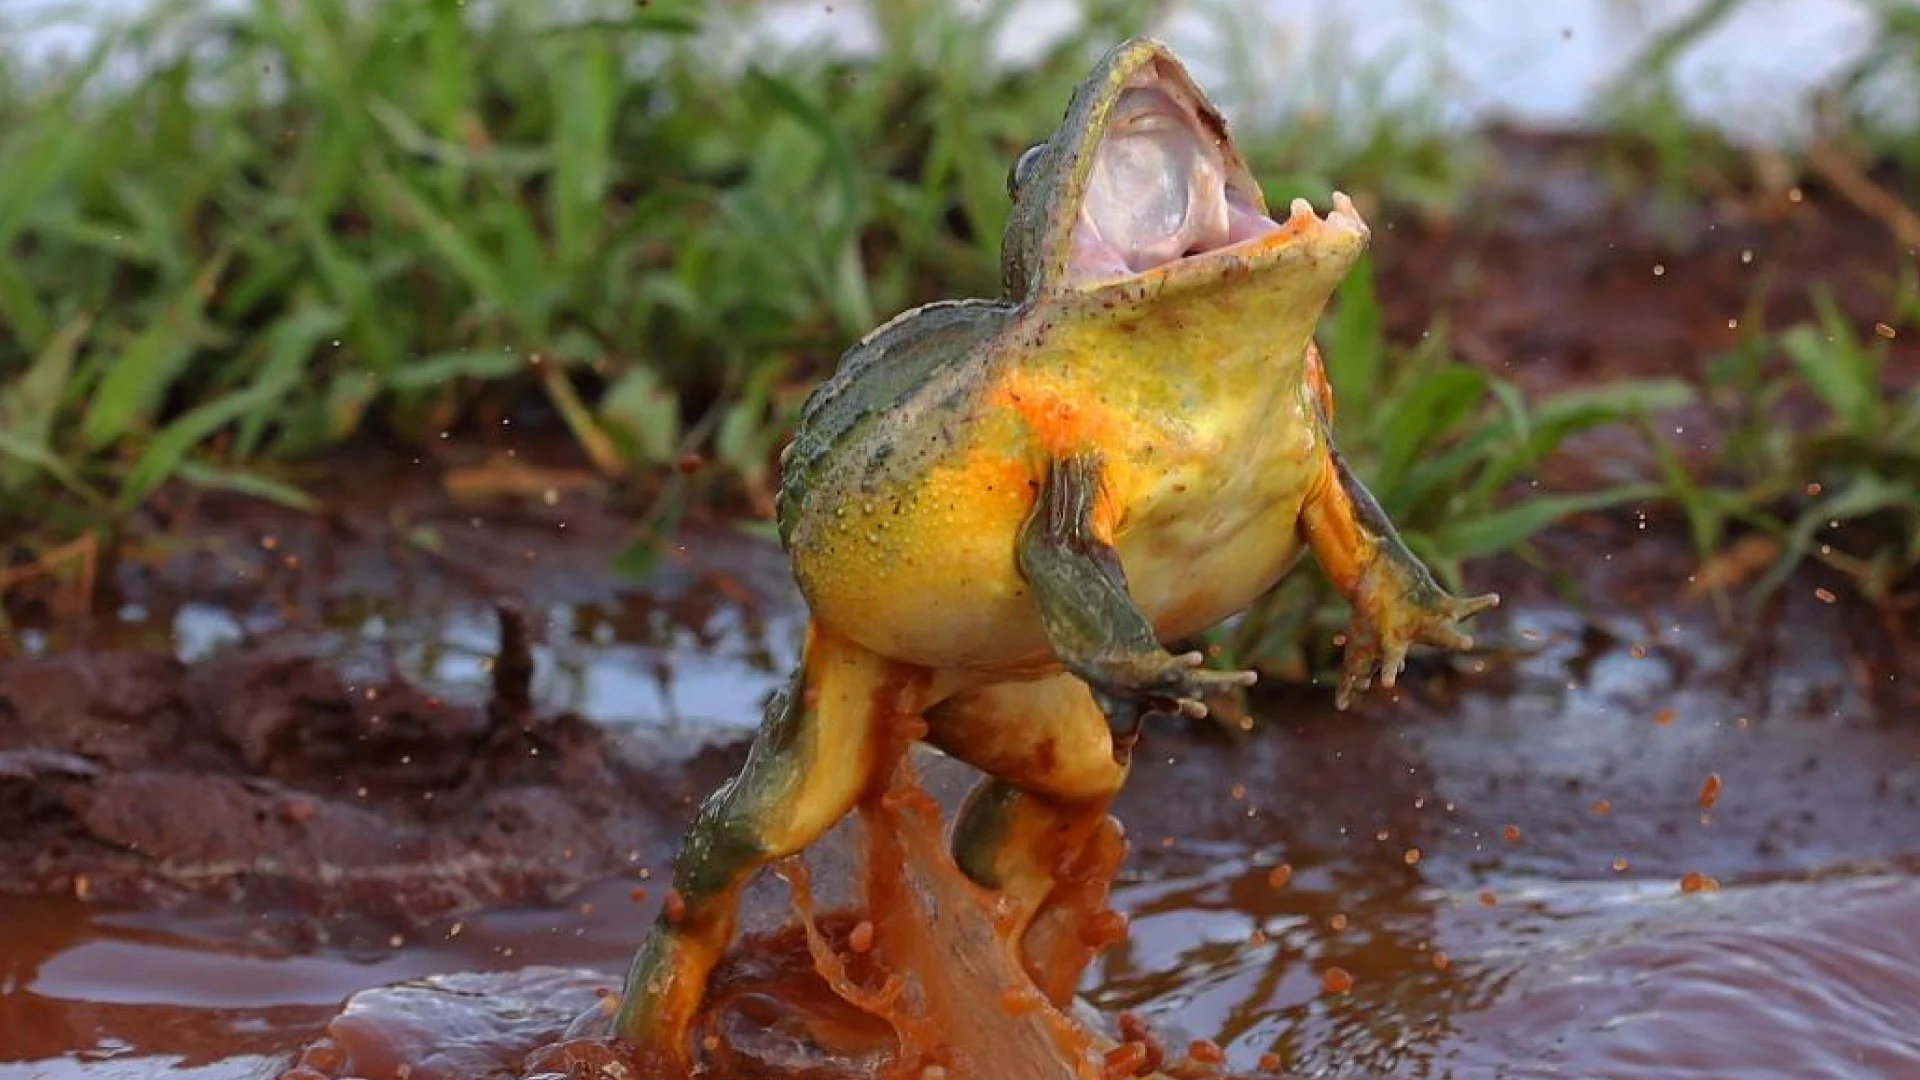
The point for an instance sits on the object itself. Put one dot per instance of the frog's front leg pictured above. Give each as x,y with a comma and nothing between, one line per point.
1396,602
813,756
1092,624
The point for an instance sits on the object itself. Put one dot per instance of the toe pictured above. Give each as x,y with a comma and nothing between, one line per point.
1393,663
1473,605
1447,636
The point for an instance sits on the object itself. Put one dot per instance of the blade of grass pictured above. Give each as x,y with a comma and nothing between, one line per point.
163,455
1502,530
38,159
41,458
592,439
251,484
20,307
351,286
586,90
1866,494
1837,366
440,369
1433,407
641,407
30,404
1356,337
480,272
288,347
132,386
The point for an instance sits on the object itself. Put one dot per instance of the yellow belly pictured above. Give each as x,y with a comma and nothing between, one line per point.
1186,581
930,577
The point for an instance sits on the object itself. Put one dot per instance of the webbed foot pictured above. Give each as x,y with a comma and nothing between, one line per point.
663,991
1132,686
1395,610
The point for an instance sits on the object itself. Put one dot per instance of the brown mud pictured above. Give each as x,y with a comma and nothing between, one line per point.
133,778
289,761
914,976
1564,270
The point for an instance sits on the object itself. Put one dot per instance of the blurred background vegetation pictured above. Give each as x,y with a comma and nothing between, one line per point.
235,237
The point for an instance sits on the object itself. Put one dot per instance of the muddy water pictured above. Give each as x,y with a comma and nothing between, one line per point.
1627,853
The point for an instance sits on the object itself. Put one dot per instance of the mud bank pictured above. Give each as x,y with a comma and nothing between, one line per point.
257,776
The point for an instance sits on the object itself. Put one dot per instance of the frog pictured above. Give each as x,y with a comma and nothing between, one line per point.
998,511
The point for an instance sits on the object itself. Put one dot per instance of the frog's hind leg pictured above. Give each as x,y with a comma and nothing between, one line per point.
813,756
1037,829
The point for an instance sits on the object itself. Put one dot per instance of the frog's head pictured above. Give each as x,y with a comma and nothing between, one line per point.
1141,193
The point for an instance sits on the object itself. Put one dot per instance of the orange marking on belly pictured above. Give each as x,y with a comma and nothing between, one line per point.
986,489
1064,423
1105,520
1060,423
998,473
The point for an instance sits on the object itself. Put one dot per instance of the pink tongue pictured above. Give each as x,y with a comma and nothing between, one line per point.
1245,223
1092,257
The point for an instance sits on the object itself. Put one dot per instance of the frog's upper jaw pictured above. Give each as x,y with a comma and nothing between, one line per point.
1143,181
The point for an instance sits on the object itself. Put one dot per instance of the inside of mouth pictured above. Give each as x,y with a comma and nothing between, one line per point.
1160,188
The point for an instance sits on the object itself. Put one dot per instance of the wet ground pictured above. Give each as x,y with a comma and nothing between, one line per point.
292,760
1628,852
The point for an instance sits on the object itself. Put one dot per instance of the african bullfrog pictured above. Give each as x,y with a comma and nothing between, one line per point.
997,511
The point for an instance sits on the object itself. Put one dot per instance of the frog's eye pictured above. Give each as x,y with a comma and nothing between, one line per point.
1022,169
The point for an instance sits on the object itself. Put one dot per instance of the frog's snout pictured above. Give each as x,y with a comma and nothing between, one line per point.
1342,225
1343,216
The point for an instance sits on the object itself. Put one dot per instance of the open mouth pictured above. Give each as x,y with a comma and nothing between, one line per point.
1163,191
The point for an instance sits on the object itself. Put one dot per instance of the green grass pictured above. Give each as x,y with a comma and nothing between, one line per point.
1842,487
334,221
392,218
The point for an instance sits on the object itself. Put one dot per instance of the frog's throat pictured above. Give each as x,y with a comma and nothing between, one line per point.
1165,192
